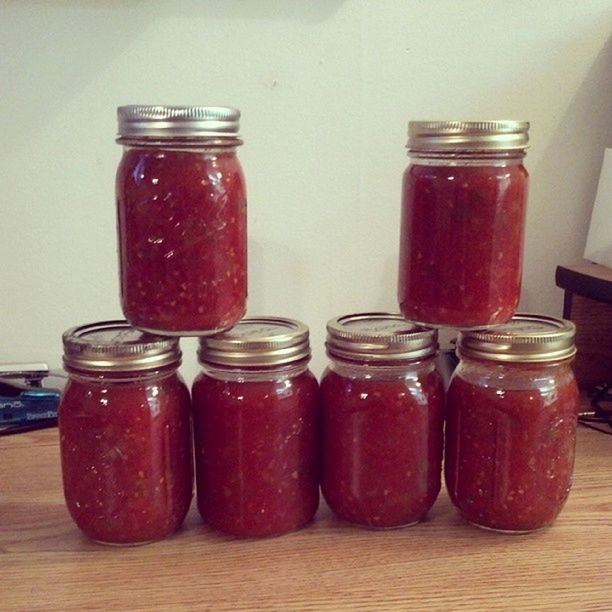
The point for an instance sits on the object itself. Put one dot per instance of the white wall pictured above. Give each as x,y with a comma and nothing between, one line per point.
326,88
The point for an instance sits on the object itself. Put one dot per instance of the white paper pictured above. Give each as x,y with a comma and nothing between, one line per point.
599,239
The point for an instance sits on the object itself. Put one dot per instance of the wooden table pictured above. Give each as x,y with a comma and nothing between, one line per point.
441,564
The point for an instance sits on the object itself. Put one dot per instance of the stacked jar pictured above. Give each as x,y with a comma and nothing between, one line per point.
512,402
181,219
463,214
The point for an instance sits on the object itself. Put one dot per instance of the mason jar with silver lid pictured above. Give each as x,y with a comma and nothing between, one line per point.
181,206
464,197
382,420
512,410
256,427
125,434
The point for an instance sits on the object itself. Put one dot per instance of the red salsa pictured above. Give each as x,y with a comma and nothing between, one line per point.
256,453
125,441
382,446
462,243
182,239
510,440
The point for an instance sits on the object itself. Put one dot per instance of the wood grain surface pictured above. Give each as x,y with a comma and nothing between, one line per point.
441,564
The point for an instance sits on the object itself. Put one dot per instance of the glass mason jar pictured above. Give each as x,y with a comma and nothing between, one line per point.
512,410
256,423
382,420
125,434
463,211
181,208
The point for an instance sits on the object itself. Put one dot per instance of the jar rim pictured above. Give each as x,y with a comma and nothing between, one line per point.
257,341
116,346
525,338
169,122
379,336
488,135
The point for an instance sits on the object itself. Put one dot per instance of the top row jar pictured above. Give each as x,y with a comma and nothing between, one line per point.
181,206
182,221
463,215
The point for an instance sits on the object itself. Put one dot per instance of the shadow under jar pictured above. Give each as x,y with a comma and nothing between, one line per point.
382,420
464,196
256,425
125,434
512,410
181,207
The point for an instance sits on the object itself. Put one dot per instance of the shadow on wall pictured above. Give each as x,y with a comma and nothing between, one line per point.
313,11
386,299
65,46
574,152
68,43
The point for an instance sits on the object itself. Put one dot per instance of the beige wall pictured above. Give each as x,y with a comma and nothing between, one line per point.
326,88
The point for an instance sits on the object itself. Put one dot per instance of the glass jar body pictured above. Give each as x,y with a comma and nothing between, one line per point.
126,455
182,237
382,441
510,440
461,238
256,449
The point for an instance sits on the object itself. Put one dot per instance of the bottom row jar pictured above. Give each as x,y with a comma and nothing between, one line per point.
511,423
125,434
259,419
255,408
383,408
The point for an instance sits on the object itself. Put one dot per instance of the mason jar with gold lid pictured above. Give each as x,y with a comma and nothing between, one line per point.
125,434
512,409
382,418
463,210
181,218
256,423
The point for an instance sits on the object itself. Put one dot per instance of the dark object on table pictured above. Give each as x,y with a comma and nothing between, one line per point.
29,397
588,303
599,417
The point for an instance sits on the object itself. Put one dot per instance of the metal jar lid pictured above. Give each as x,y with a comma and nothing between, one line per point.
440,136
526,338
379,336
161,122
115,346
257,341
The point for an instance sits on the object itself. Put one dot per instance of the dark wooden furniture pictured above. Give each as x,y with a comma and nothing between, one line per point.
588,303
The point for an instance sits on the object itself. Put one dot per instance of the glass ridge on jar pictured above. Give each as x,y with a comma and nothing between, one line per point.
256,425
125,434
181,219
382,420
512,409
464,199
